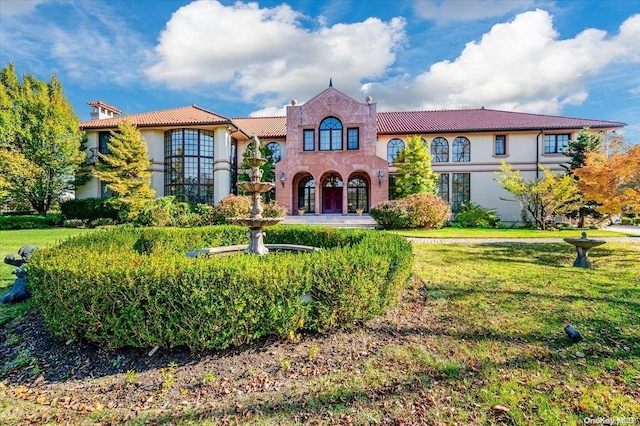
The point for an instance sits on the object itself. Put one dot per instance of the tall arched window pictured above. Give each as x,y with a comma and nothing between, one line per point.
189,165
394,147
357,194
440,150
461,150
330,134
307,194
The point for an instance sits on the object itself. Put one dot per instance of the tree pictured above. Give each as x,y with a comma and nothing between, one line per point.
613,182
414,174
577,151
541,198
268,169
125,170
39,141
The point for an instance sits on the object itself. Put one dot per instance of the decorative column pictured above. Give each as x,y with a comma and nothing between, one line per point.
221,163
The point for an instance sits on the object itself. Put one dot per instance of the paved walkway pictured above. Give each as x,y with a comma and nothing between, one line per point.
513,240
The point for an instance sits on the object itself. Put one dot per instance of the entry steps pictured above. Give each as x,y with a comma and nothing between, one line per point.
333,220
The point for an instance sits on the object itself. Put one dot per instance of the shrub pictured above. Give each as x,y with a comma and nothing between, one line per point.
626,221
232,206
29,222
391,215
135,287
273,209
88,209
427,211
472,215
75,223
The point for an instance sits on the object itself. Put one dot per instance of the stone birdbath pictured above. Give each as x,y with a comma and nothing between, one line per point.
583,245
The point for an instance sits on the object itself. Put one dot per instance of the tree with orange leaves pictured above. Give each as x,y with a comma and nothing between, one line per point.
614,181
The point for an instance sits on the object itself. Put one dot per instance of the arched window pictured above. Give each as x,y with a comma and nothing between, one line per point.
461,150
189,165
307,194
357,194
393,149
440,150
276,152
330,134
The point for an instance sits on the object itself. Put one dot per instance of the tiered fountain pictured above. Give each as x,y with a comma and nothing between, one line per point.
255,222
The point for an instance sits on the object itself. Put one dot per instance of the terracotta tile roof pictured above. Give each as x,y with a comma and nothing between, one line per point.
185,116
104,105
263,127
475,120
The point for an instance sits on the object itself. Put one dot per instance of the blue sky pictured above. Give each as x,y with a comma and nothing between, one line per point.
572,58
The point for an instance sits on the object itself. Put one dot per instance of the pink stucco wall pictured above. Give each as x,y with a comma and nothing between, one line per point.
322,164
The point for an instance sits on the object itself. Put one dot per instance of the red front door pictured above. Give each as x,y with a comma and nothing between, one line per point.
331,200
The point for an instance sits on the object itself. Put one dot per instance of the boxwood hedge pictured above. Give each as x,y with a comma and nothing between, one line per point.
135,286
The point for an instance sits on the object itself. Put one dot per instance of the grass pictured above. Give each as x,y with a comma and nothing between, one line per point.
10,243
504,233
489,347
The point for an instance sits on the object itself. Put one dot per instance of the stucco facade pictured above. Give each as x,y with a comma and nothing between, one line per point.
336,153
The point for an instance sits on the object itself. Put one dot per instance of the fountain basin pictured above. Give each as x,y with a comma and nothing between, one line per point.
242,248
254,162
583,245
255,222
256,186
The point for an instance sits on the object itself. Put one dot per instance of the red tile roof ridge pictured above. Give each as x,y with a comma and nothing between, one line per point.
500,111
266,116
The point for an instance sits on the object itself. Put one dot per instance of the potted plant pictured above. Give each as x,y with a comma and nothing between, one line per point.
359,212
300,211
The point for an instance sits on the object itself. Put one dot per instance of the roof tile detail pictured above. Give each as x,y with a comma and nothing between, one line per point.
263,127
185,116
476,120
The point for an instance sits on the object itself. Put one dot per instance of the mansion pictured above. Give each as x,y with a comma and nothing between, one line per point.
334,155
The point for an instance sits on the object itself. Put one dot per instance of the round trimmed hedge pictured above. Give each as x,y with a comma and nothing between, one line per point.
135,286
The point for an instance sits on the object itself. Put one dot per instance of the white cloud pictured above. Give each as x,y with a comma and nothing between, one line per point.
266,54
467,10
520,65
18,7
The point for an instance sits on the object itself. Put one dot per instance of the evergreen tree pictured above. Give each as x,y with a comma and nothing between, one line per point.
125,170
414,174
577,151
39,141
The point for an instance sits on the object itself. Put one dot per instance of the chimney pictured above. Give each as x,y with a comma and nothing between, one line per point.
101,110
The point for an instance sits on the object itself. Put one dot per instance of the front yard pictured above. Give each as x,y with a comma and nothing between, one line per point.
478,339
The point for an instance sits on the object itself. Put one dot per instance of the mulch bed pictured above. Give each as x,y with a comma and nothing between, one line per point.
266,376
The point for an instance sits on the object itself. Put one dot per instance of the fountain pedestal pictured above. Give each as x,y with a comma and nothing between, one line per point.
583,245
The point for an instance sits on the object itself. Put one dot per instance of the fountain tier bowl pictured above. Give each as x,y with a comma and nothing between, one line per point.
256,187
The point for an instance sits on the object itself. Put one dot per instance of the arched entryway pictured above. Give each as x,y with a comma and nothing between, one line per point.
306,193
358,193
332,188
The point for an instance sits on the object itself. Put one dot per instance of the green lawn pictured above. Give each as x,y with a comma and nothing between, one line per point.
504,233
10,242
480,340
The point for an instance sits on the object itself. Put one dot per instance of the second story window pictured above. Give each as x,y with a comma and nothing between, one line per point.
330,134
394,147
500,145
276,152
461,150
353,138
308,143
555,144
440,150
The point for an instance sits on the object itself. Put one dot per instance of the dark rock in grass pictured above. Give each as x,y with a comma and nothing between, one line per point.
18,293
19,290
573,333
